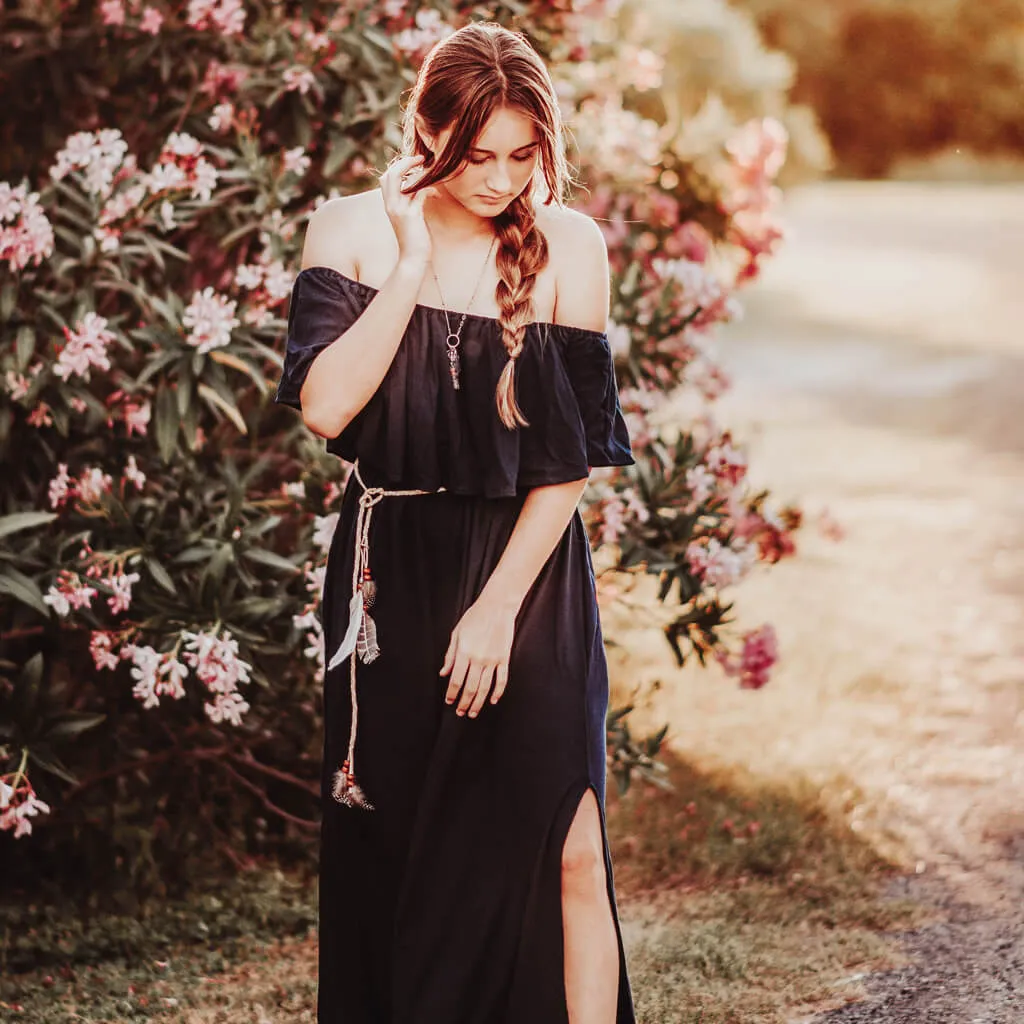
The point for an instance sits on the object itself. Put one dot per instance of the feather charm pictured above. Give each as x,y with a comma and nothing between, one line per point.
348,643
347,791
368,587
366,642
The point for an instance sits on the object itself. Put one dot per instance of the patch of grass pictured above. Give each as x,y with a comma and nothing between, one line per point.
742,903
175,960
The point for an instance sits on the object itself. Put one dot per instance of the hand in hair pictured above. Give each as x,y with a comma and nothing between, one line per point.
406,211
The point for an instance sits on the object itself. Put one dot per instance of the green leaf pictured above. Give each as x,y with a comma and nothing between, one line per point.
72,724
269,558
166,422
24,346
160,574
17,585
24,521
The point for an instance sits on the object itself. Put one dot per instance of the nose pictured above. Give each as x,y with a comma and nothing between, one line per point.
499,183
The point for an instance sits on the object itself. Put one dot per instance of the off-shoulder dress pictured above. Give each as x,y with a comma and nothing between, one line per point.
442,903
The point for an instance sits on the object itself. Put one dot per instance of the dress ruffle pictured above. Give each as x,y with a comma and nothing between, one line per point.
417,431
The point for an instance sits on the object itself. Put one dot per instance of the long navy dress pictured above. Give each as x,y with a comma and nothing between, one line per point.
442,904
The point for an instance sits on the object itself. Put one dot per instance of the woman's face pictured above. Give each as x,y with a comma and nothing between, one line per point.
500,164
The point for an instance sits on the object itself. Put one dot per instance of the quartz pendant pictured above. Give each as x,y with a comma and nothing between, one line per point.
453,362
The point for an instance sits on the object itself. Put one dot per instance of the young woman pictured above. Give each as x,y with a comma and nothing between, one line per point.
447,335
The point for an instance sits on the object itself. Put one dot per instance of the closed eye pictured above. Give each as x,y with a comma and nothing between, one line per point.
518,159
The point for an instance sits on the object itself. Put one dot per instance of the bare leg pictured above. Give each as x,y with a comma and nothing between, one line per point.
591,946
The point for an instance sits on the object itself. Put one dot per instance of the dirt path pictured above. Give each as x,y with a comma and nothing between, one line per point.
880,375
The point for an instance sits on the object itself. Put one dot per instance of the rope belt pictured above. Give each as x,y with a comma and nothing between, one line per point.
360,640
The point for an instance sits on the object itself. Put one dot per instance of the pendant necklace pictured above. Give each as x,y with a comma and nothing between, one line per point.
452,341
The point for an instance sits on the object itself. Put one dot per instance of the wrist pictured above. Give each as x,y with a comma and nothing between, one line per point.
411,267
500,599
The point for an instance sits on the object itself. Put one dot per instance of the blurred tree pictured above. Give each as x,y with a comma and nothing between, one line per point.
904,78
718,74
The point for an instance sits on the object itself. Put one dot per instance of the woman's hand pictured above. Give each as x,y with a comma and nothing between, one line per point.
478,651
406,211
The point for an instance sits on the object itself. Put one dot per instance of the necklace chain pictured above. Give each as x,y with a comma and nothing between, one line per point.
453,339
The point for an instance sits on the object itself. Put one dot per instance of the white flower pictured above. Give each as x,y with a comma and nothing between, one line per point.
57,601
210,318
86,347
300,78
324,527
133,473
227,707
122,587
93,484
296,161
220,119
145,666
59,486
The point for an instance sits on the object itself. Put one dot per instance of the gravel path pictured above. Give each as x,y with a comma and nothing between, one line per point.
968,968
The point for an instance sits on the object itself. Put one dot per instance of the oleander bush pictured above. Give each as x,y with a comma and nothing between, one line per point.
163,525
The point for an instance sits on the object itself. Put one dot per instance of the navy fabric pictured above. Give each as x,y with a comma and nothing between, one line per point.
417,431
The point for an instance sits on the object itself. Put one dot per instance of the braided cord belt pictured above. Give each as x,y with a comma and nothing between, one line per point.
360,640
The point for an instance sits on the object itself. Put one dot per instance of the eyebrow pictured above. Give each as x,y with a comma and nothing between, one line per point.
477,149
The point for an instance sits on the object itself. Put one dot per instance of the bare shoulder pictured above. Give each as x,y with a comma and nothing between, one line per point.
335,230
579,258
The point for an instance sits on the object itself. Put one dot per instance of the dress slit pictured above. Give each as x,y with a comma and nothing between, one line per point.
541,954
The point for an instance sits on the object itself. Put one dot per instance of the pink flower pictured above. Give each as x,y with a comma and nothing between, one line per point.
101,647
753,666
151,21
70,592
112,12
324,527
145,669
725,461
225,15
222,117
137,417
121,584
92,485
60,486
718,564
216,663
86,347
99,155
134,474
702,483
299,78
17,385
296,161
227,707
210,318
40,416
18,804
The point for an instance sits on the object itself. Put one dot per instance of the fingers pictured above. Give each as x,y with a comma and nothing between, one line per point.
391,180
500,682
482,689
478,677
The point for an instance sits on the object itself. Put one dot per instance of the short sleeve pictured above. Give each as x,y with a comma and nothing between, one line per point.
322,306
591,370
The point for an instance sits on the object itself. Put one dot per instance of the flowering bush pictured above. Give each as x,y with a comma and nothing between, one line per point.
165,527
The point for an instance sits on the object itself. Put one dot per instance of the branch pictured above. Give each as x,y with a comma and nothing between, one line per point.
276,773
265,800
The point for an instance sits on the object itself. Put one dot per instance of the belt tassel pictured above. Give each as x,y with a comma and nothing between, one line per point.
360,640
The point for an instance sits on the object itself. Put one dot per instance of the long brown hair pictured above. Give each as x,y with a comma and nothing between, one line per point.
464,78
